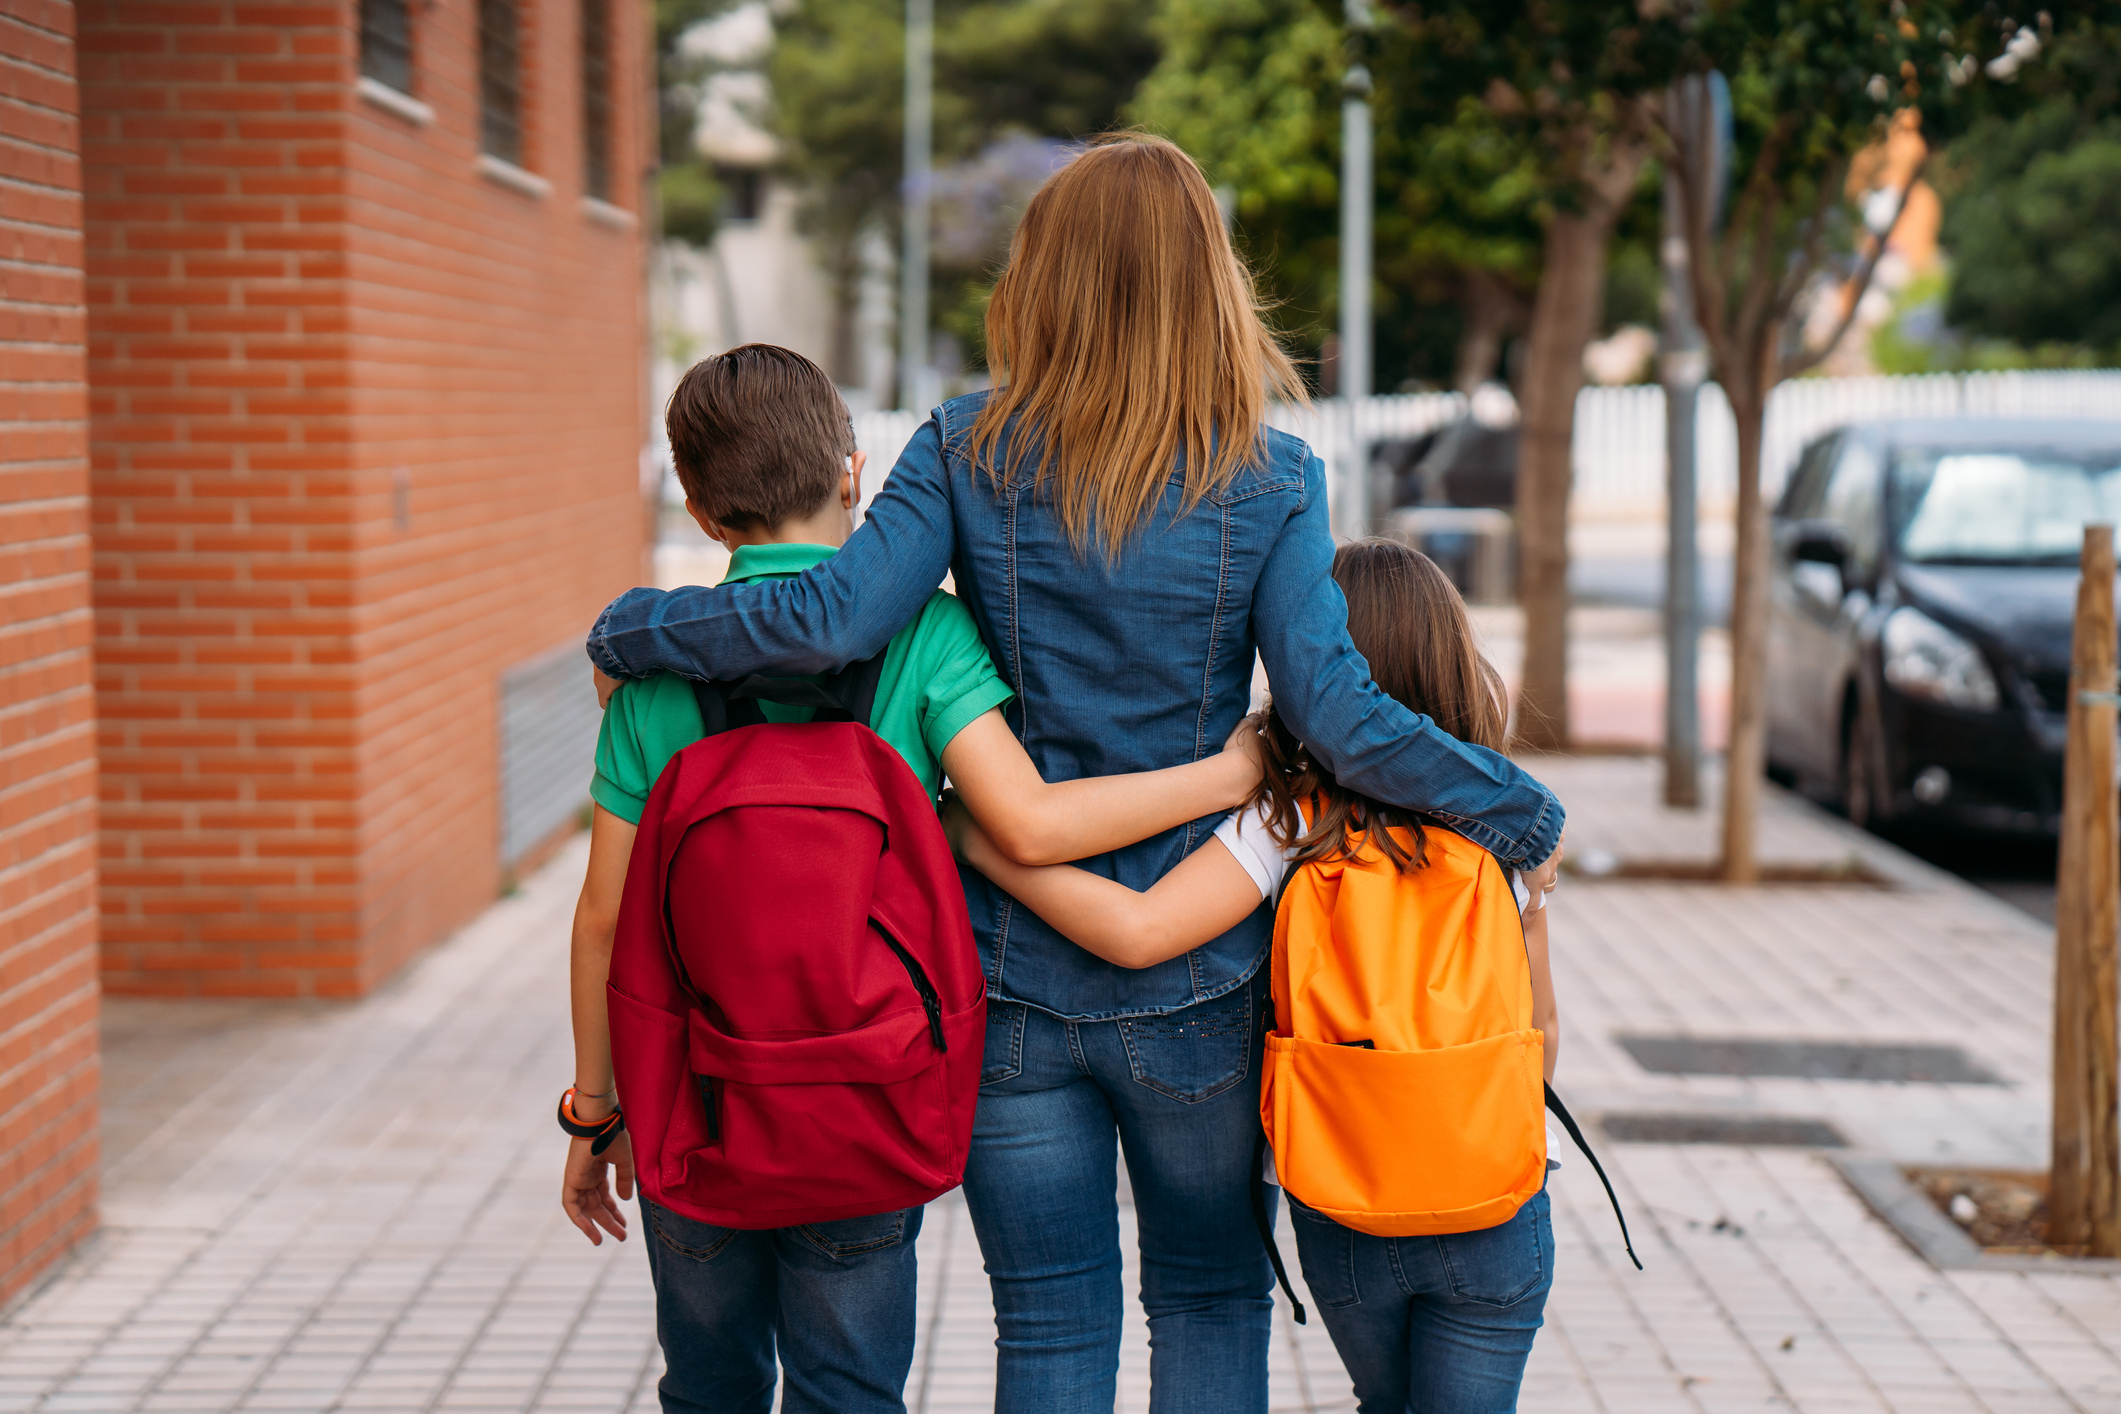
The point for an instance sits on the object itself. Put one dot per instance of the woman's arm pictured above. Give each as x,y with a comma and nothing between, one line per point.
1368,741
835,613
585,1193
1546,1015
1028,821
1207,895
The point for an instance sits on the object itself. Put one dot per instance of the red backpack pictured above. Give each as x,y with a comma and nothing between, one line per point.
797,1008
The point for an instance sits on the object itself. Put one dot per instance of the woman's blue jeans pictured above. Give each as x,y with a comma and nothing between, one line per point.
1179,1096
1431,1325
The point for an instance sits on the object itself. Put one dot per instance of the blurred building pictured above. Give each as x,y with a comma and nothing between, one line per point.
321,410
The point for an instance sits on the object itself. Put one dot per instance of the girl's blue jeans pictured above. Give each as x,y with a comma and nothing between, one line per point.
1431,1325
1178,1095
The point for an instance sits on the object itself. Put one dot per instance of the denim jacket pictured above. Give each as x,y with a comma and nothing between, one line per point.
1127,665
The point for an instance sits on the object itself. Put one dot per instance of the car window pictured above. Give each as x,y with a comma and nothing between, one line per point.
1854,494
1800,498
1970,506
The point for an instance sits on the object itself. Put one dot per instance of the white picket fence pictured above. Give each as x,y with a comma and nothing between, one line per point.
1619,445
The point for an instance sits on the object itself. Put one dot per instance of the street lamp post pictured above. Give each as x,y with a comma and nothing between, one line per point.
1356,205
914,379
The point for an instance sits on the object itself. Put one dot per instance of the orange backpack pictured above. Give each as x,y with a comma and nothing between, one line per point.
1403,1087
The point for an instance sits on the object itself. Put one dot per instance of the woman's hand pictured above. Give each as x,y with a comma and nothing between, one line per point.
585,1189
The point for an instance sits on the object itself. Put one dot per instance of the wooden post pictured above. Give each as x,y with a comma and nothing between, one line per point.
2084,1193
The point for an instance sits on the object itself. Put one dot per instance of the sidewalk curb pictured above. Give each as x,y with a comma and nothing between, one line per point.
1937,1239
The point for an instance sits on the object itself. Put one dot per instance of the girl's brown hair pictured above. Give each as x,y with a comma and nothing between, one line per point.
1124,333
1405,616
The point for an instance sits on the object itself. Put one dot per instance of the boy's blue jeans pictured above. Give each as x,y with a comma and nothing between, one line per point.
1179,1094
836,1298
1431,1325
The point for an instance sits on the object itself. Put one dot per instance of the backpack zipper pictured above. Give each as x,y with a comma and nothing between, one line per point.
930,1002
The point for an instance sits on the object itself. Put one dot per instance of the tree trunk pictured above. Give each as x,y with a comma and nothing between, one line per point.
1745,758
1564,319
1493,312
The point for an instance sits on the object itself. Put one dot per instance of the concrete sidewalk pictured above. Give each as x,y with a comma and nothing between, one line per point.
353,1207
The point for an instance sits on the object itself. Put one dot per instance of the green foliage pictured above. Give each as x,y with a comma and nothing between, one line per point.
691,200
1252,89
1056,68
2030,223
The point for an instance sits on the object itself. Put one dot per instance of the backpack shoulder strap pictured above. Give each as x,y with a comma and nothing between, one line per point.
848,695
1568,1122
721,710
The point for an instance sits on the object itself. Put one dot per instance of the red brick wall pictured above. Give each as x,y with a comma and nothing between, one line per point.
293,293
47,744
212,141
497,345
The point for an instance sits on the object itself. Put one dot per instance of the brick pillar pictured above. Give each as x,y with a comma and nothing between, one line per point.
47,761
212,141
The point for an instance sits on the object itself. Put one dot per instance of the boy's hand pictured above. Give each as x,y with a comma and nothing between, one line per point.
585,1190
958,824
606,685
1547,876
1243,752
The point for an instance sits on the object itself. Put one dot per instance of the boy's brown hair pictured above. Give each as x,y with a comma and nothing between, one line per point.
759,436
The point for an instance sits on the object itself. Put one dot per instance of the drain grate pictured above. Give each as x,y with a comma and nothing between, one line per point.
1752,1130
1806,1060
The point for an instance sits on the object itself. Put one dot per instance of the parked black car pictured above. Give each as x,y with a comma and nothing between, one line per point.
1923,580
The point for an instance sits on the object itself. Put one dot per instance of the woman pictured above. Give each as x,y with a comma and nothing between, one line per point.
1127,535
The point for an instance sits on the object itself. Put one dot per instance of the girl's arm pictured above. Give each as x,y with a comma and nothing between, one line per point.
1369,741
585,1193
1545,1014
1024,820
1207,895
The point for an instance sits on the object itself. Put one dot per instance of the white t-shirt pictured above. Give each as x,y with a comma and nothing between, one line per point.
1250,840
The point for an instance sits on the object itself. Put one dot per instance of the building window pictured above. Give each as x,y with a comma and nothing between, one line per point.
386,43
500,81
596,98
743,192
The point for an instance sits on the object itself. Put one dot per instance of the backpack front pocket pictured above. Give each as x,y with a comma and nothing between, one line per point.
1408,1143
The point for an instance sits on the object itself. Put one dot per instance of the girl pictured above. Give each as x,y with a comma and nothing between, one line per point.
1129,537
1424,1323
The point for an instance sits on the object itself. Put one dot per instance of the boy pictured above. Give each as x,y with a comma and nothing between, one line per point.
765,451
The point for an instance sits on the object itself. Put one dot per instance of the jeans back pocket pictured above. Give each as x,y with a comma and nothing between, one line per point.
1501,1266
1196,1052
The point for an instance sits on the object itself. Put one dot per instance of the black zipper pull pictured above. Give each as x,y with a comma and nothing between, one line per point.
934,1006
930,1001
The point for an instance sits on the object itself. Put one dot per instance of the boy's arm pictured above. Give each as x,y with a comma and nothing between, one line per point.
1207,895
585,1193
1031,821
1546,1014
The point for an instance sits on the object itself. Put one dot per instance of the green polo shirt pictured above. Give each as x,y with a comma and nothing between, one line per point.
936,679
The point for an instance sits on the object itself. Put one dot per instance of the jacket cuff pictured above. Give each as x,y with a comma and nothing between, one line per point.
599,647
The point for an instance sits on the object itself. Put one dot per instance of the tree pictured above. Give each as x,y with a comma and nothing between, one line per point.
2035,203
1251,88
1056,68
1578,80
1812,83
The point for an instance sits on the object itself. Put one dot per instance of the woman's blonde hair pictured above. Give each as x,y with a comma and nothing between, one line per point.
1406,617
1124,333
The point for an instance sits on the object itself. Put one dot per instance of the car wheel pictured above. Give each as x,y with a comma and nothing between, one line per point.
1864,797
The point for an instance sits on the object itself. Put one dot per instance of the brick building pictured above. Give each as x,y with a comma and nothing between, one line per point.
356,289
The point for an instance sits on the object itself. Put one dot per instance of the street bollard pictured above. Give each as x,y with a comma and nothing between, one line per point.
2084,1184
